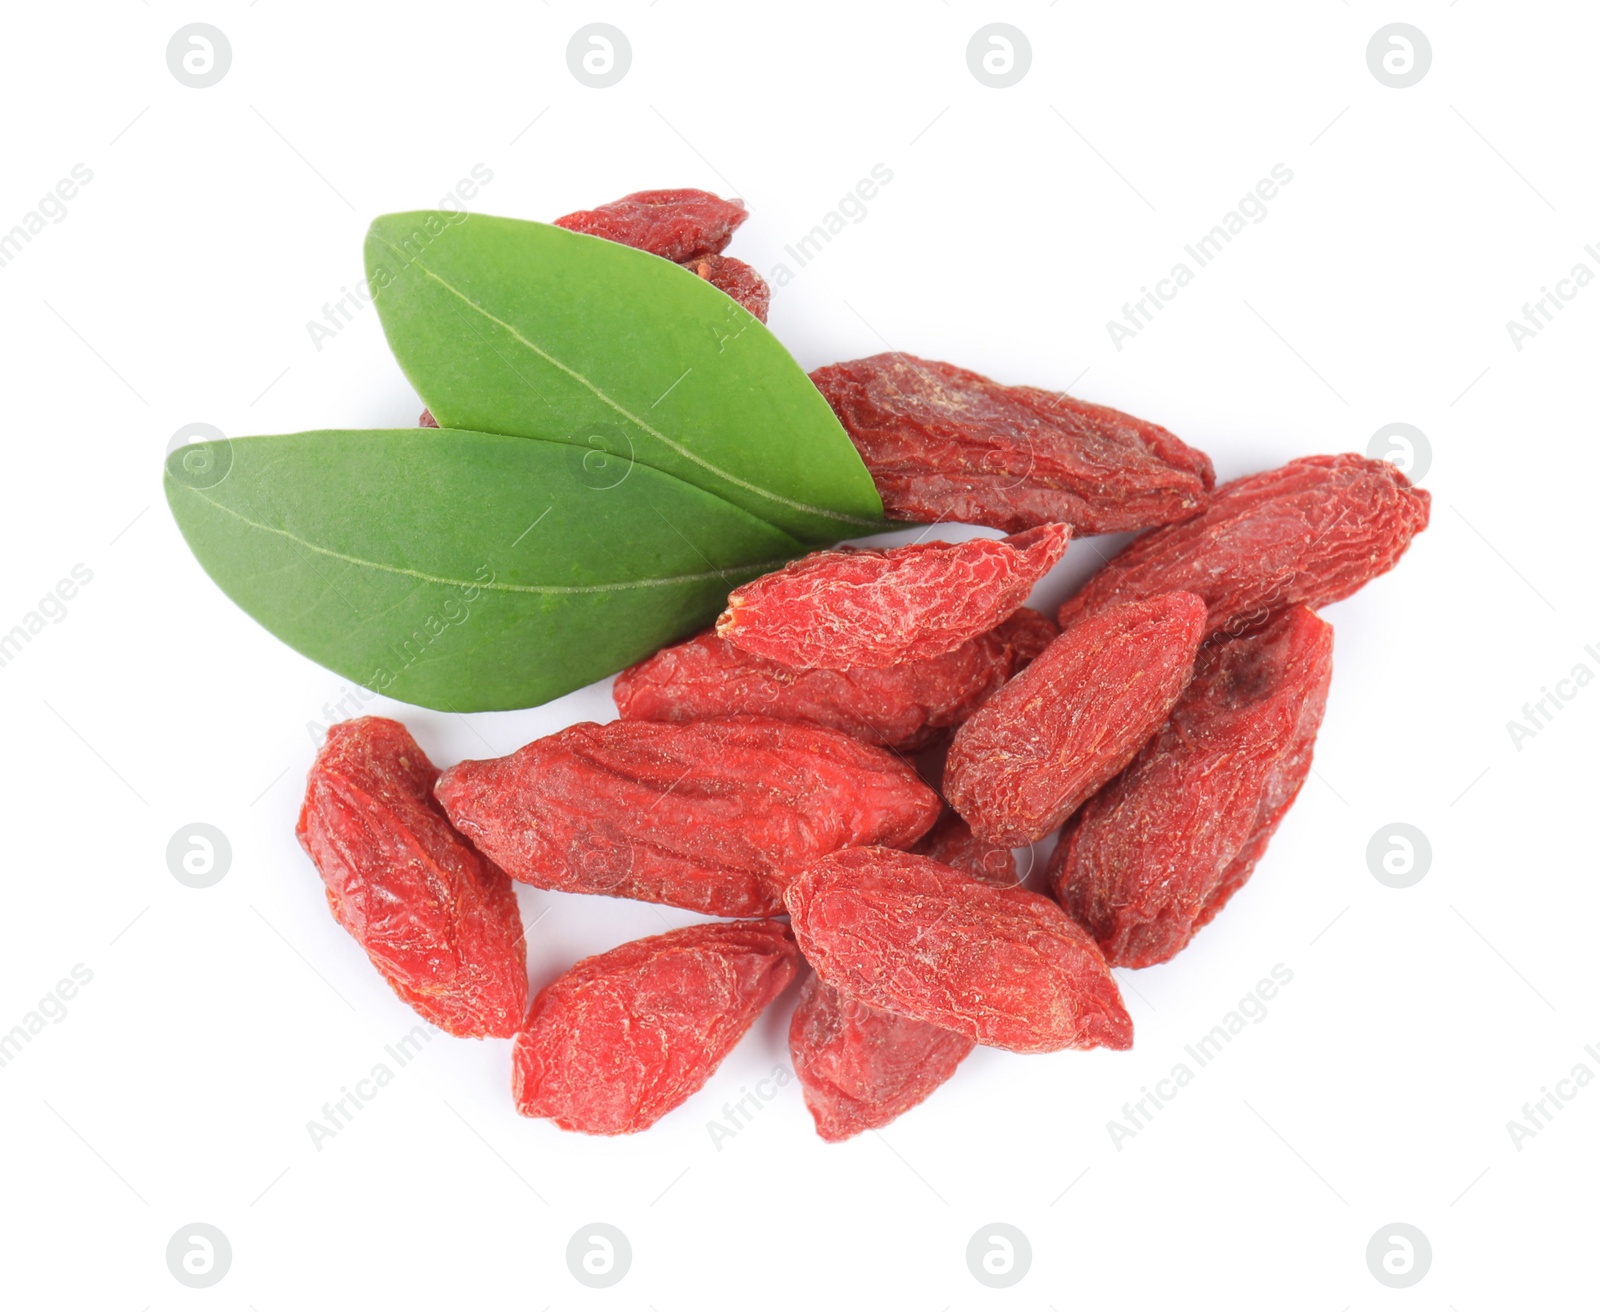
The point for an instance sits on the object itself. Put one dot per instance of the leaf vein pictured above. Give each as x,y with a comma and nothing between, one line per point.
550,589
606,399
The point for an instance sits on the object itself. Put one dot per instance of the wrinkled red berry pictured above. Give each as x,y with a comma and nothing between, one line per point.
737,279
1041,746
713,815
1156,854
846,607
860,1068
903,707
1029,632
1003,966
623,1038
951,842
438,921
944,443
1311,531
678,225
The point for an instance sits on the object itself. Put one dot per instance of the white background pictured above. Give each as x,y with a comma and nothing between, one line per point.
177,289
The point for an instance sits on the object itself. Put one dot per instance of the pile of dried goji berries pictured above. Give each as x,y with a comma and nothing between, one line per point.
761,769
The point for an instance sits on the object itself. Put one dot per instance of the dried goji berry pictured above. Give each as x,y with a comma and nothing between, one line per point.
847,607
678,225
951,842
944,443
1037,749
903,707
1029,632
1003,966
1156,854
439,921
736,278
859,1067
713,815
623,1038
1311,531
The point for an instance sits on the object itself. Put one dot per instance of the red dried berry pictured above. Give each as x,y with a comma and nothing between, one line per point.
951,842
678,225
872,608
860,1068
737,279
623,1038
437,920
1042,745
944,443
901,707
1029,632
1311,532
714,816
1157,853
1003,966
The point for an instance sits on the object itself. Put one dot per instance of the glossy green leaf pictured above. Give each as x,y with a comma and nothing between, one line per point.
460,570
523,328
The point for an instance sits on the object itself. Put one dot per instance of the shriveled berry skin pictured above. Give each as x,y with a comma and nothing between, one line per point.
1156,854
951,842
860,1068
1311,531
1003,966
439,921
736,278
623,1038
714,815
1041,746
846,607
678,225
945,444
902,707
1029,632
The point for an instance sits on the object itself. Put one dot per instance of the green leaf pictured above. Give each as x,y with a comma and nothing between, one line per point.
459,570
523,328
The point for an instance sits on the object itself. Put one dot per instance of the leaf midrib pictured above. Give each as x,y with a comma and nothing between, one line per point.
600,395
550,589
